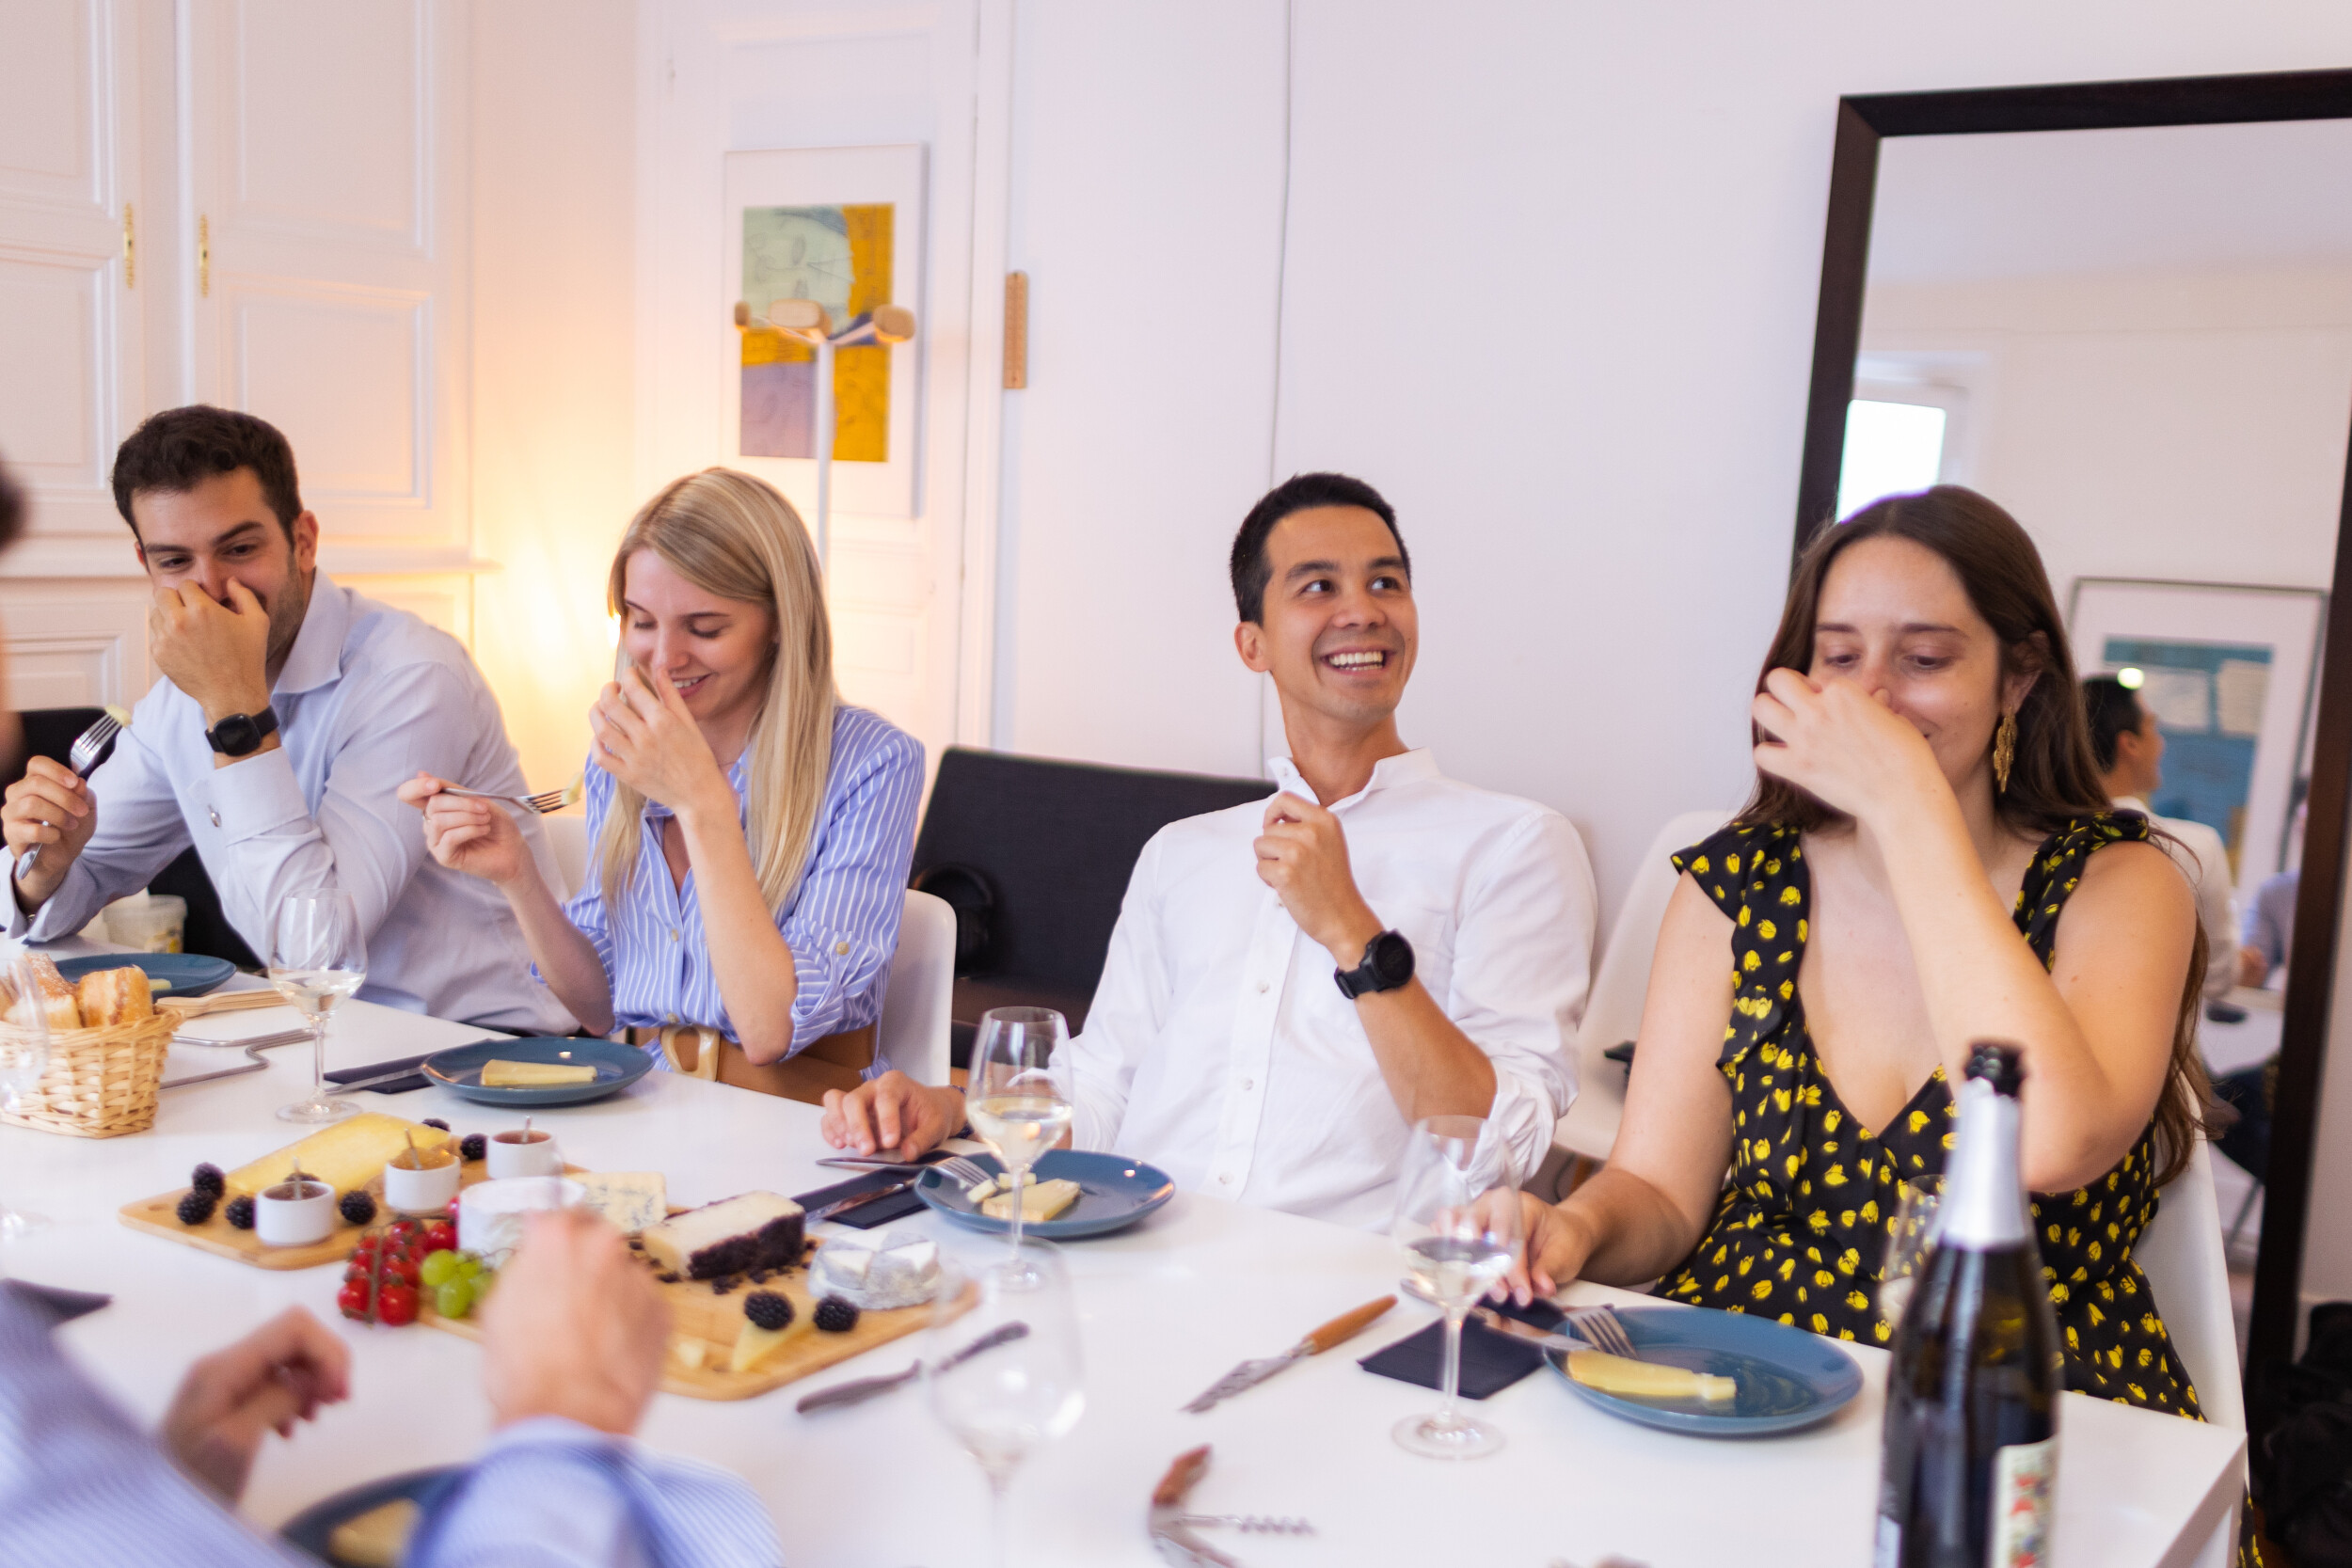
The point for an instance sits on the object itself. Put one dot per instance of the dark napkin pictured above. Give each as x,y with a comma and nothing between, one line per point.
398,1085
881,1211
57,1303
1491,1362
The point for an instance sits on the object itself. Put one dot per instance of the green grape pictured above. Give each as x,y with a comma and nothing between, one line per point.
468,1264
438,1269
454,1298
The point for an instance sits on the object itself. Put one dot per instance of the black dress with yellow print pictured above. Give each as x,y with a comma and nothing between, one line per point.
1801,1232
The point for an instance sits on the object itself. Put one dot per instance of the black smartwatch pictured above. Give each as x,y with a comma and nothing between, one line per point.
242,734
1388,964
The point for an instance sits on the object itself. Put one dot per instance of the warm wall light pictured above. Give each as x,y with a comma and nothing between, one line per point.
804,319
2131,677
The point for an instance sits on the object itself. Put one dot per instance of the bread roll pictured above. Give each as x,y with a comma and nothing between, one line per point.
112,996
52,1002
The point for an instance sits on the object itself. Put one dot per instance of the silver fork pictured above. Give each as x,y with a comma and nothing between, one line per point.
963,1169
82,756
1602,1328
1250,1524
543,803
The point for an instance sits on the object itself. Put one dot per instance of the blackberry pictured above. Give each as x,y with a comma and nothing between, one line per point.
239,1214
207,1179
196,1206
759,1277
836,1315
437,1121
358,1206
768,1309
473,1145
721,1285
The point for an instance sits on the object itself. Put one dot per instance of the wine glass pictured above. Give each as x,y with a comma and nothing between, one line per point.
317,957
23,1057
1908,1244
1014,1104
1457,1218
1019,1394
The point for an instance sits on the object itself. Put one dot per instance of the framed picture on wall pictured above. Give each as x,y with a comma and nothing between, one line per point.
2229,673
842,225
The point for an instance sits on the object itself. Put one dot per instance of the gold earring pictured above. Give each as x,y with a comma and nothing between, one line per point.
2003,752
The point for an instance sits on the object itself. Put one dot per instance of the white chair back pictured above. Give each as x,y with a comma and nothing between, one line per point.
1613,1014
567,835
918,1006
2181,1253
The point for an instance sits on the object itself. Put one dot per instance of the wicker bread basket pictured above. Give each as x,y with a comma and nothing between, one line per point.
100,1082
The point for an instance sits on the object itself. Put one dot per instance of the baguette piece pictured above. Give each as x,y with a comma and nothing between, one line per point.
108,997
52,1002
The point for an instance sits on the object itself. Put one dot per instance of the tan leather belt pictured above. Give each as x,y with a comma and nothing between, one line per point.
835,1062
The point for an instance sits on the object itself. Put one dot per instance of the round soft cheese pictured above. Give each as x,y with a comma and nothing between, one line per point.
490,1213
877,1273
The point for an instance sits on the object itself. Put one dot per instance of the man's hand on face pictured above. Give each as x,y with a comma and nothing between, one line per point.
1302,856
217,654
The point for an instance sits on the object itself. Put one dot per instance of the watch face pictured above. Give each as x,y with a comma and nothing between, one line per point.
236,734
1391,958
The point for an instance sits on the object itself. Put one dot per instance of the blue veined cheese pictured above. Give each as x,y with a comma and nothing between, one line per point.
631,1200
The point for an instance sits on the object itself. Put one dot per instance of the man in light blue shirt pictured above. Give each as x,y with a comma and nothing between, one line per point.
573,1341
288,713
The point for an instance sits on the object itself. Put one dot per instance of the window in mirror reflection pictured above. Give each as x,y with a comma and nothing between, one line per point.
1891,448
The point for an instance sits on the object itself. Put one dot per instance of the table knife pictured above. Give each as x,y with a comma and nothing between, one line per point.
855,1200
867,1387
1250,1374
1552,1339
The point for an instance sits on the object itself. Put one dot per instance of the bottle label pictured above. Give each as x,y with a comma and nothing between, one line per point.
2024,1476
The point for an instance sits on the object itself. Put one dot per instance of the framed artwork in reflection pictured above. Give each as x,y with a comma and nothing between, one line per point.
2230,673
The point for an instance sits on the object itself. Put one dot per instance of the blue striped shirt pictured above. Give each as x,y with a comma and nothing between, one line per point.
80,1484
841,922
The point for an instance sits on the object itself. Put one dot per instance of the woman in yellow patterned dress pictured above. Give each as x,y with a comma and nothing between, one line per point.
1925,810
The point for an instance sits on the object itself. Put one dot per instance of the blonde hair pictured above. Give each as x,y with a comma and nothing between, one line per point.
736,537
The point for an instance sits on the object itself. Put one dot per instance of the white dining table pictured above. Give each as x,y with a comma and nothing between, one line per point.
1165,1308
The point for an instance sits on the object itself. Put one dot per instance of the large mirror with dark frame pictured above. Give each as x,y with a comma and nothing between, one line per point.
2123,310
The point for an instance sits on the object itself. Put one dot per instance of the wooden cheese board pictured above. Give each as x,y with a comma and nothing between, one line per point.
159,1216
700,1315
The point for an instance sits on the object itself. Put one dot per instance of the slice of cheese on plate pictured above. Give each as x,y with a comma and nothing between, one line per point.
346,1155
631,1199
376,1539
500,1074
1648,1380
1040,1201
755,1345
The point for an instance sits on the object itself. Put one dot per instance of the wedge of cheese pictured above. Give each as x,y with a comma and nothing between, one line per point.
533,1075
754,1344
374,1539
1040,1201
1648,1380
631,1200
346,1155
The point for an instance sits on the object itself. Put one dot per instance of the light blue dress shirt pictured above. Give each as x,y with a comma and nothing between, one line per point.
79,1482
841,922
368,696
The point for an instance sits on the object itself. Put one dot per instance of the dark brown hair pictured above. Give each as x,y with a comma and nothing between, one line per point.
1248,563
180,448
11,509
2054,778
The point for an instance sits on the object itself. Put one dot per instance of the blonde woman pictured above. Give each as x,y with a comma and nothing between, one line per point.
751,830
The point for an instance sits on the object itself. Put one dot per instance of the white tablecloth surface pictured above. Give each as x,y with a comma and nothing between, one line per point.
1165,1308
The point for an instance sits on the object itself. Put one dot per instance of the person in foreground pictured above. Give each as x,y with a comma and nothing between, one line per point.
2128,747
1925,813
751,830
288,711
572,1346
1456,923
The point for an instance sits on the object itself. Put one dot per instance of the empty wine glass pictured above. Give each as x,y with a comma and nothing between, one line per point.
23,1057
317,957
1908,1244
1004,1403
1457,1218
1014,1104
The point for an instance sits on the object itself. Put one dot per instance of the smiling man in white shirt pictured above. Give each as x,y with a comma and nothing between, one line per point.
288,713
1292,985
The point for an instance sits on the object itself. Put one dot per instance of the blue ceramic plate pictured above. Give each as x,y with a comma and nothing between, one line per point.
169,975
1788,1379
1114,1192
309,1530
618,1067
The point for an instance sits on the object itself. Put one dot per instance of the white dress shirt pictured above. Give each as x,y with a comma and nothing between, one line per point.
2200,852
369,695
1219,1049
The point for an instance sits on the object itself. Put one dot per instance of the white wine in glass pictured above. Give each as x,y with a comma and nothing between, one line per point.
23,1057
1457,1218
317,957
1004,1403
1014,1104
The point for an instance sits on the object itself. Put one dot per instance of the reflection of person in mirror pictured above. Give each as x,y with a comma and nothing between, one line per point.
2270,933
2128,745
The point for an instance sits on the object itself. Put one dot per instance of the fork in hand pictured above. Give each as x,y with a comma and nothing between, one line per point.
88,750
543,803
